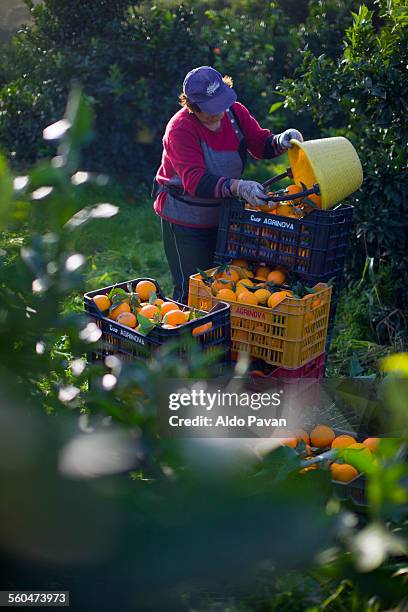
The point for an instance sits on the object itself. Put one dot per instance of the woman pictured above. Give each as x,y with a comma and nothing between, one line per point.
204,152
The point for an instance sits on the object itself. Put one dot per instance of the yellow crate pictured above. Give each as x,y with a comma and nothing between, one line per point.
290,335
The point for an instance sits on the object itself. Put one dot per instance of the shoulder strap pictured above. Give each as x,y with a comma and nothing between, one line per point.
235,123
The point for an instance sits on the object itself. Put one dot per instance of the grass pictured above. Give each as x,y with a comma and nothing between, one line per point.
127,246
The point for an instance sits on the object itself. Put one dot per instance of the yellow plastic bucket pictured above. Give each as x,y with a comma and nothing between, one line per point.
332,163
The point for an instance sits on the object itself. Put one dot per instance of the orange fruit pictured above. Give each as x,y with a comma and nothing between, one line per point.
217,285
277,276
316,199
322,436
276,298
230,274
102,302
372,443
175,317
240,263
127,318
201,329
167,306
262,272
362,448
292,442
343,441
256,373
144,288
301,434
246,297
158,302
120,308
226,294
343,472
288,210
262,295
149,311
243,283
294,189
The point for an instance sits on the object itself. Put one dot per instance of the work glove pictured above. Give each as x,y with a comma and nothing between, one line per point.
286,136
251,192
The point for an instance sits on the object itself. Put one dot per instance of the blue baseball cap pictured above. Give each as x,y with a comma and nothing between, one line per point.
204,86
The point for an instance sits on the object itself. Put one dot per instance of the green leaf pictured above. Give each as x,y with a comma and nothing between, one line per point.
79,114
146,325
118,295
152,297
275,107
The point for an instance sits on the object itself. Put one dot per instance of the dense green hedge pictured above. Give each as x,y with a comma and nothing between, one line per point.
363,96
131,63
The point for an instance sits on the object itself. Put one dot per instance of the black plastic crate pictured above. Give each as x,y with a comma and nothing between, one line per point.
129,344
356,490
315,244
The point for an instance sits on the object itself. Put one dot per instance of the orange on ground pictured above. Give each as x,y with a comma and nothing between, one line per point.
343,472
122,307
149,311
201,329
276,298
262,295
144,288
175,317
127,318
322,436
226,294
246,297
277,276
102,302
167,306
372,443
343,441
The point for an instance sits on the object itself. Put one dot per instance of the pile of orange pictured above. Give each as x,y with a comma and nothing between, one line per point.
322,438
260,286
295,208
142,304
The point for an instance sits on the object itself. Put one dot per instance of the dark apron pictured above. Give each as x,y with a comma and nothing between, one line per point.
187,248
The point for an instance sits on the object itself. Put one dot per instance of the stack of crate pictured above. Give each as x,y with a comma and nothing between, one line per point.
312,248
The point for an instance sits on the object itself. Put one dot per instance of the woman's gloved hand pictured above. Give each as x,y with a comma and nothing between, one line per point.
286,136
251,192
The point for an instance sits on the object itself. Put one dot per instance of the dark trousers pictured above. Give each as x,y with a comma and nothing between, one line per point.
187,250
